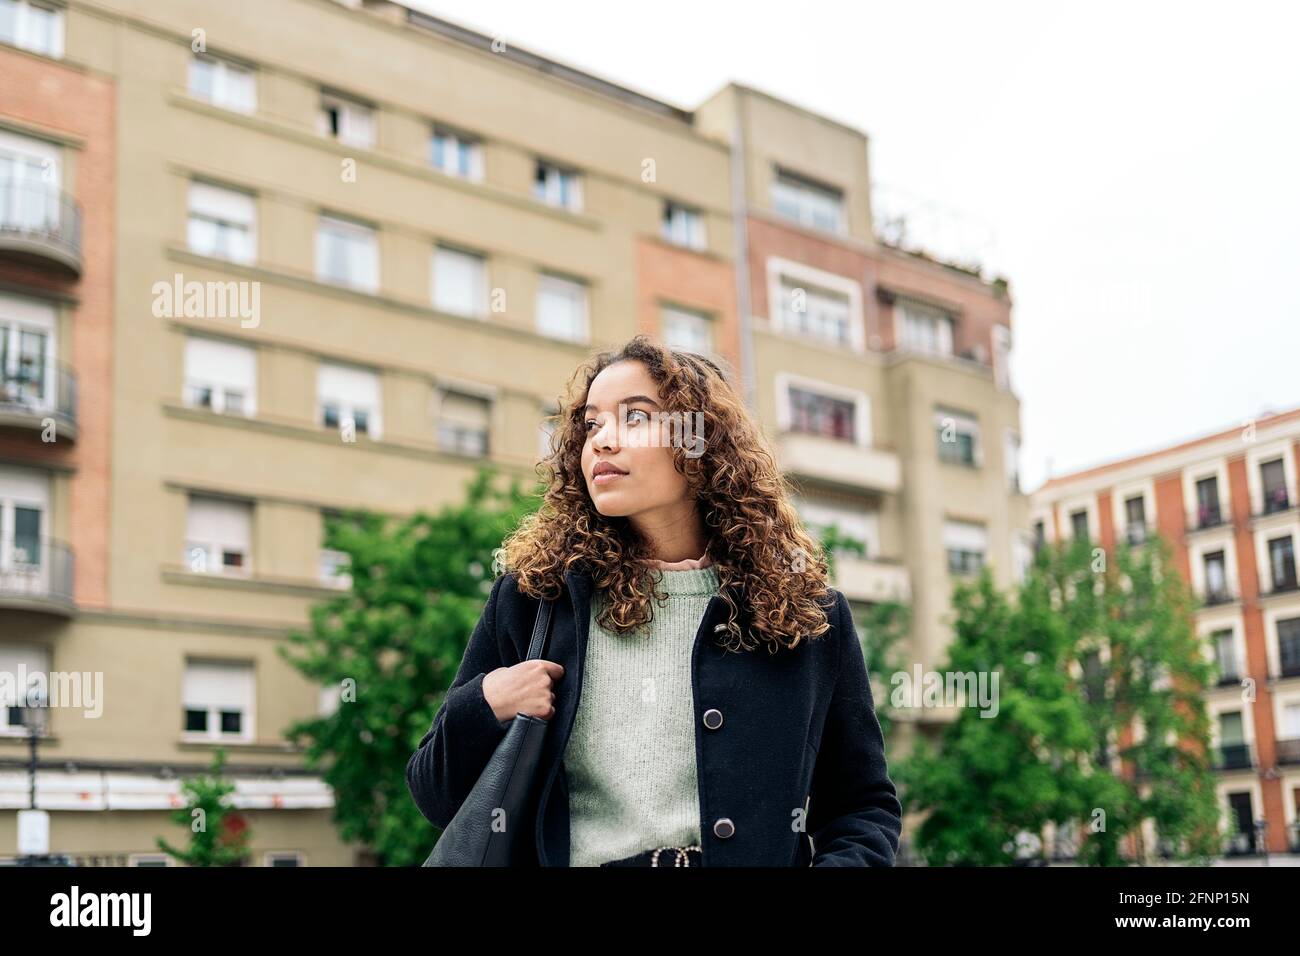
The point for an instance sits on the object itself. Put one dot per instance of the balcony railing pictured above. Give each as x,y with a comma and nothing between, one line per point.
1288,750
1136,534
1219,596
36,573
1289,667
1284,584
1232,757
38,223
31,393
1275,500
1205,516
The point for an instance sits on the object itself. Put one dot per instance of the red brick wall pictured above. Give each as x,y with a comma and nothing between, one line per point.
39,93
668,274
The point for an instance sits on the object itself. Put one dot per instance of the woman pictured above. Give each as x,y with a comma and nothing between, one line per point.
706,688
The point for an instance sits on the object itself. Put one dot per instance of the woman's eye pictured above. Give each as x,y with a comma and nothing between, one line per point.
638,411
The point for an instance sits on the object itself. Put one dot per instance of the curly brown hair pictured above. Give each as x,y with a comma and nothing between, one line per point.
756,539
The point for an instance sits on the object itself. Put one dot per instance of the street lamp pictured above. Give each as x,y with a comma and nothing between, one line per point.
35,719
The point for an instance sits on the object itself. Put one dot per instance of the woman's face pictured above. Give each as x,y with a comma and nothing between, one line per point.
634,440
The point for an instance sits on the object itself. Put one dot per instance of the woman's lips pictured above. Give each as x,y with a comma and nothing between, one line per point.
607,477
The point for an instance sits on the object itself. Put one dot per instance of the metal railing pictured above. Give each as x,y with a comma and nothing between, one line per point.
1288,750
1233,757
1209,516
47,389
42,213
38,569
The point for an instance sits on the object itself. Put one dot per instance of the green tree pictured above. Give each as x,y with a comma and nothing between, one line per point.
1088,647
219,834
391,645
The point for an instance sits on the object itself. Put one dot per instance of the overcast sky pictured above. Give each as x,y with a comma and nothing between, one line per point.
1133,168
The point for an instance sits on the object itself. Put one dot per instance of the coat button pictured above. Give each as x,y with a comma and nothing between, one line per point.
713,718
723,828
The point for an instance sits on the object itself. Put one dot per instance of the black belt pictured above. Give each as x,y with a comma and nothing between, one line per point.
663,856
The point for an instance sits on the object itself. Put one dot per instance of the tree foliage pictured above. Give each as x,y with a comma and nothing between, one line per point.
1100,724
391,645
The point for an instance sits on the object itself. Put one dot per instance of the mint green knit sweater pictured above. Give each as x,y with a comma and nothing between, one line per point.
631,757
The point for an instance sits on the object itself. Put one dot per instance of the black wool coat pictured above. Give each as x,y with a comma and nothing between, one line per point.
789,754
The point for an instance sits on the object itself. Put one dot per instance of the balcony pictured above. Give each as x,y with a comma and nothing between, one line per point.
871,579
1136,534
39,225
36,575
29,395
1288,751
1276,500
1285,583
1205,517
1218,597
841,463
1233,757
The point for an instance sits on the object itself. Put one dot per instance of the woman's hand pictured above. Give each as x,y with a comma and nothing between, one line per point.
525,688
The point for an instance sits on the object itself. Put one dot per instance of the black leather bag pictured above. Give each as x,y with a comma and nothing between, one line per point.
492,826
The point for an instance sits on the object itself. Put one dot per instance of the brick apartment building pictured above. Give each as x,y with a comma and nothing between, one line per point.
1228,505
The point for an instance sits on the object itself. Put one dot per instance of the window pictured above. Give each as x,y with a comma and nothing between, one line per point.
33,26
1225,653
683,226
1079,525
686,329
546,431
1207,502
217,700
1023,551
14,660
220,376
1273,476
1135,519
807,202
464,423
1281,556
562,308
1216,578
31,175
456,154
218,536
1011,459
347,396
1002,357
459,282
557,187
223,83
924,328
815,312
821,516
966,544
347,253
289,858
24,547
813,413
959,437
346,120
1040,535
223,223
28,367
1288,646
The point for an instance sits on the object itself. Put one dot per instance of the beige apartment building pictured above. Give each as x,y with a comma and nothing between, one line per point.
325,255
1227,504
